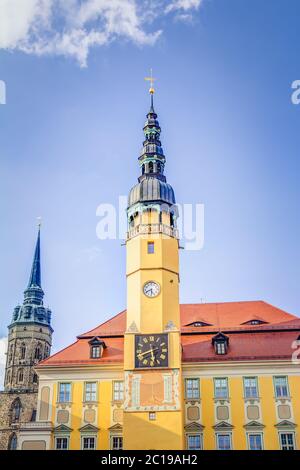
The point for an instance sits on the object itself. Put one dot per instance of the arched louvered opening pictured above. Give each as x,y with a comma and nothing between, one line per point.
12,442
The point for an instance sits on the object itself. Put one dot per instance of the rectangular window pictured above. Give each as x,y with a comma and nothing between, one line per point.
192,389
221,388
95,352
255,442
118,391
287,441
250,387
223,441
150,248
61,443
88,443
281,387
64,394
90,391
152,416
194,442
117,443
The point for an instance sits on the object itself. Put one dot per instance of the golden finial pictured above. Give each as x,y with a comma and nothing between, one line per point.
151,79
39,222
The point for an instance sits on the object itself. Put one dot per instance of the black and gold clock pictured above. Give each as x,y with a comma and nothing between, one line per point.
151,351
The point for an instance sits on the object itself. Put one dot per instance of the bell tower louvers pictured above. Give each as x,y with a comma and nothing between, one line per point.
29,334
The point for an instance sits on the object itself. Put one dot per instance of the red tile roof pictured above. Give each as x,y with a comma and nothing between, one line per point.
271,340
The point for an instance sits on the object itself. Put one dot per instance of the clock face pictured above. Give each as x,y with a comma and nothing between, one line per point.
151,289
151,350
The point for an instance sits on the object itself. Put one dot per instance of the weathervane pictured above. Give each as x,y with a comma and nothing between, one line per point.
39,222
151,79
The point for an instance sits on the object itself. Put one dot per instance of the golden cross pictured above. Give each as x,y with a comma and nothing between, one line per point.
151,79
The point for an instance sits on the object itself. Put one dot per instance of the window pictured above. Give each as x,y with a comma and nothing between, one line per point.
192,389
61,443
20,375
117,443
255,442
152,416
221,388
23,351
16,410
151,167
118,391
223,441
90,391
13,442
88,443
33,416
96,347
281,387
35,378
37,353
220,347
194,442
150,248
220,343
250,387
95,352
64,392
287,441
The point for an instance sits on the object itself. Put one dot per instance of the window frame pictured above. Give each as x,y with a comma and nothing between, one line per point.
114,399
89,436
253,433
62,437
85,400
215,388
193,379
116,436
150,244
292,433
194,434
251,397
219,434
287,386
58,392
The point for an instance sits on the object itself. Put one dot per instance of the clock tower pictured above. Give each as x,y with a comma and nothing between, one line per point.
153,417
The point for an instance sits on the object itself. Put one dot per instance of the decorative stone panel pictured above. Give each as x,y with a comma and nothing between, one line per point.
252,412
222,413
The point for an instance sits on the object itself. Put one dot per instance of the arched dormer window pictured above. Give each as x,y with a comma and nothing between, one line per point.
12,442
220,343
97,347
20,376
158,167
151,167
16,408
143,169
23,351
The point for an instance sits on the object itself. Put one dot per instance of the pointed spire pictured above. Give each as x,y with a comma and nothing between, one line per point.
35,275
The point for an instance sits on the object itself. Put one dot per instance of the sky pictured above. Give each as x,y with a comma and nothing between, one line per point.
71,133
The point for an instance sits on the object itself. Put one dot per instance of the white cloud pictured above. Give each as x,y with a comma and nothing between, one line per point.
184,5
72,27
3,347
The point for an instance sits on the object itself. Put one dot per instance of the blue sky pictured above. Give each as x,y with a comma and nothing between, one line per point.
71,133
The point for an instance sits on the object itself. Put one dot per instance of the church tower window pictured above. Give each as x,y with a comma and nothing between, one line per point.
16,410
20,375
13,442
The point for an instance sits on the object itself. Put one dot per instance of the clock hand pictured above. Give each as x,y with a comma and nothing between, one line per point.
147,352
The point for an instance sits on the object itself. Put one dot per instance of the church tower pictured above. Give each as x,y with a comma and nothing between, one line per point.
29,341
153,417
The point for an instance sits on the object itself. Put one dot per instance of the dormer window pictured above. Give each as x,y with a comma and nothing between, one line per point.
96,348
198,324
220,343
255,321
